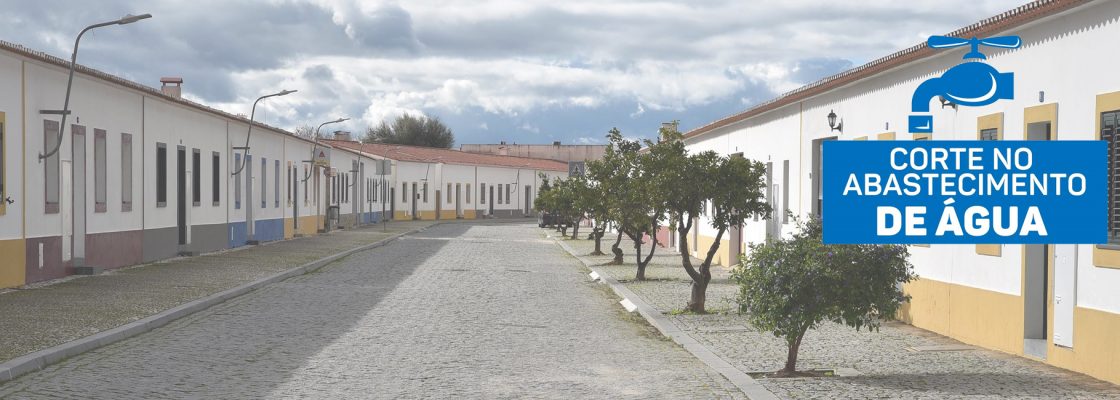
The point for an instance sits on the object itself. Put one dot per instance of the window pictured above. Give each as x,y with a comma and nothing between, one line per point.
989,134
468,193
161,175
50,140
100,173
276,183
509,193
1110,133
290,181
216,178
237,183
448,193
499,194
196,177
345,188
373,190
305,196
404,192
425,192
482,193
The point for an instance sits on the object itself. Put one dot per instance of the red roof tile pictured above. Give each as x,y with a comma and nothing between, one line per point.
448,156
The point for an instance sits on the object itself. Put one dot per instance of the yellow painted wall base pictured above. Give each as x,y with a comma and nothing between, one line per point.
12,263
289,228
427,215
401,216
447,214
307,225
974,316
995,321
723,254
469,214
1096,347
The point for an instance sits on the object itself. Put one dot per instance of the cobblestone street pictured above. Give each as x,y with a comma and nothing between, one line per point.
458,310
885,363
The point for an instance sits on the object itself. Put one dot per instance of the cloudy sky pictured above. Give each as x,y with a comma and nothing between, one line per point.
525,71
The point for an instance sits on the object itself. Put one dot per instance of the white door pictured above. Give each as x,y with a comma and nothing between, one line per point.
64,201
1065,292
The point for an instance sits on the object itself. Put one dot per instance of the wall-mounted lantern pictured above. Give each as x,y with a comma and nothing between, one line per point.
832,124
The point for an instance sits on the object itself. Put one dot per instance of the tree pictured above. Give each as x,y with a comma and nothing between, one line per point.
735,191
305,131
788,286
410,130
611,173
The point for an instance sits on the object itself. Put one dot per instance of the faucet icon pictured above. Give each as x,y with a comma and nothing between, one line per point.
972,83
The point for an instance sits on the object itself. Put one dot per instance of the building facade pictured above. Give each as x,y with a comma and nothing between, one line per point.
141,175
554,151
1055,303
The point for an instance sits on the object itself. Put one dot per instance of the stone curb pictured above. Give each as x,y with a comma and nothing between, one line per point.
38,360
744,382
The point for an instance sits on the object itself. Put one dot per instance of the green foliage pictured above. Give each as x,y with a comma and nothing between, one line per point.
790,285
410,130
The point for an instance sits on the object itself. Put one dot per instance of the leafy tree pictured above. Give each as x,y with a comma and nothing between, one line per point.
611,174
410,130
788,286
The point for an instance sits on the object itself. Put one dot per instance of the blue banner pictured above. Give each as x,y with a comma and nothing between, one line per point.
1008,192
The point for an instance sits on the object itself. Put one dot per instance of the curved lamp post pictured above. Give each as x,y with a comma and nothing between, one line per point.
127,19
316,147
250,133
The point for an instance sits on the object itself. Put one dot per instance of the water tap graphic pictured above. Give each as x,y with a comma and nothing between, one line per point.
972,83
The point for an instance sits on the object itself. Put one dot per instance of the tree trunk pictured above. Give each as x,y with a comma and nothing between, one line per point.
617,251
699,292
575,230
597,232
702,278
563,230
641,275
791,356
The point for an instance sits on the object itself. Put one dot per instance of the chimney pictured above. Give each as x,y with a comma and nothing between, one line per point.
172,86
343,136
667,127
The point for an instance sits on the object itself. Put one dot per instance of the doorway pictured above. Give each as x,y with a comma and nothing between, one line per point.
1035,277
392,204
458,201
491,213
528,200
439,205
248,171
415,199
181,193
79,197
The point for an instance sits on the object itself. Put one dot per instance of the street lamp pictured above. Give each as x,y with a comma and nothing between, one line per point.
316,147
250,132
127,19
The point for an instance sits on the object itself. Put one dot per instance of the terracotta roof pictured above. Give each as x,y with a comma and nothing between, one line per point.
1016,17
447,156
147,90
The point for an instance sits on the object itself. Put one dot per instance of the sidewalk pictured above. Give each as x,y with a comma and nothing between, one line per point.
44,315
899,361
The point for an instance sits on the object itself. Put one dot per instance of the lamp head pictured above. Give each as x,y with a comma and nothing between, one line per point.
128,19
340,120
286,92
831,119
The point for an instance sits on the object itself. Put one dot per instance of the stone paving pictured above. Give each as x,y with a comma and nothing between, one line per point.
460,310
47,314
887,369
